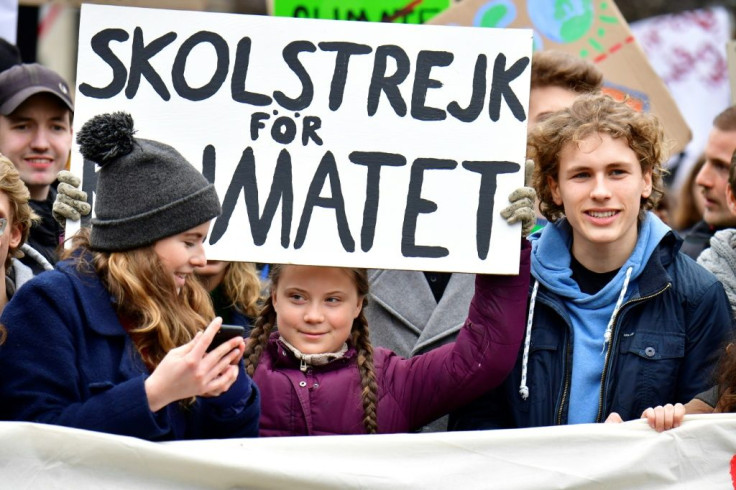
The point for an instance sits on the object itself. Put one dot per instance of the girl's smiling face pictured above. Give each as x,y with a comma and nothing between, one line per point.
180,254
315,307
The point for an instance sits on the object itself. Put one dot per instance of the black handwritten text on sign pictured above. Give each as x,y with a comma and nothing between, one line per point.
325,137
381,83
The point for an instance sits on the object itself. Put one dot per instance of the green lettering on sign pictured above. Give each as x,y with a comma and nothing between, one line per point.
398,11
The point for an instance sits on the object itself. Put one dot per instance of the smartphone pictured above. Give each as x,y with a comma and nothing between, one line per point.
226,333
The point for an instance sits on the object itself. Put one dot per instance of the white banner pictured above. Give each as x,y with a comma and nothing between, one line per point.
700,454
329,142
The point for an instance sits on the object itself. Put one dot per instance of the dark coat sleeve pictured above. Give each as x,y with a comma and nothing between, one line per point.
235,413
58,369
709,396
44,360
709,327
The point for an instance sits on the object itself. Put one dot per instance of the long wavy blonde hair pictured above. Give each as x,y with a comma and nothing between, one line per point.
242,287
145,294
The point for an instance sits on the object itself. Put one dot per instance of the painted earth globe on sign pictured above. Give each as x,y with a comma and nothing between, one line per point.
497,13
562,21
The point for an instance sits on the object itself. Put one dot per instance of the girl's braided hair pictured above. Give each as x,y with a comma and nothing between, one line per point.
359,339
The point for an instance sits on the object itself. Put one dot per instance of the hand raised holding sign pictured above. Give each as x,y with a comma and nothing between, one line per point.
71,202
522,203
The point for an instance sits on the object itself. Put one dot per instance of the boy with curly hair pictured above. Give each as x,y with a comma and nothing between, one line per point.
619,320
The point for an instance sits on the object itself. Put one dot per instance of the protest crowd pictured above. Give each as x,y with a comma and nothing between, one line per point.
623,307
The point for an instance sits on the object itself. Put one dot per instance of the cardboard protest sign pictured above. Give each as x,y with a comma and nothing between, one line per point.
403,11
329,142
591,29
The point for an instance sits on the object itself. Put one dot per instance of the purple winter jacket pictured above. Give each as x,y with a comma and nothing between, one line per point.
325,400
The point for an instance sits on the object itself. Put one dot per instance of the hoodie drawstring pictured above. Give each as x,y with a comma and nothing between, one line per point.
523,388
609,327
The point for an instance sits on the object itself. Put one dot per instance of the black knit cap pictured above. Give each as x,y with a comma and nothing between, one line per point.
146,190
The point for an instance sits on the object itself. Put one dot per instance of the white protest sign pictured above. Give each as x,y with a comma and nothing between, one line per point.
329,142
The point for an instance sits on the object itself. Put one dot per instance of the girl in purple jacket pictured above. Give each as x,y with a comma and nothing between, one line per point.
312,359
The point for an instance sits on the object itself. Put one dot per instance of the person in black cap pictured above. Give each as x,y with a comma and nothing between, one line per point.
36,135
115,339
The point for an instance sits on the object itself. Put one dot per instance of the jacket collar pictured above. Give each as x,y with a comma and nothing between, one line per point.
15,276
281,356
95,299
655,276
418,310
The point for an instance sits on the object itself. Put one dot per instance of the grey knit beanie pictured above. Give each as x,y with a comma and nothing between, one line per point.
146,190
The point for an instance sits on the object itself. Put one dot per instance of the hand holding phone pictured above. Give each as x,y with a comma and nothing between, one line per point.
226,333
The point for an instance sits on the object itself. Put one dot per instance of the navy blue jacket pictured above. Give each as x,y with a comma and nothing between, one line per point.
68,361
665,342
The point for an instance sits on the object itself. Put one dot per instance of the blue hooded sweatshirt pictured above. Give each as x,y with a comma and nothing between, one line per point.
589,314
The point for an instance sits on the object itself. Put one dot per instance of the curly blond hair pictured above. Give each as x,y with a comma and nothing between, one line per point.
594,114
22,215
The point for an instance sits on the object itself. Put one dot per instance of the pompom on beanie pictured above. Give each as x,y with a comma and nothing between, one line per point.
146,190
